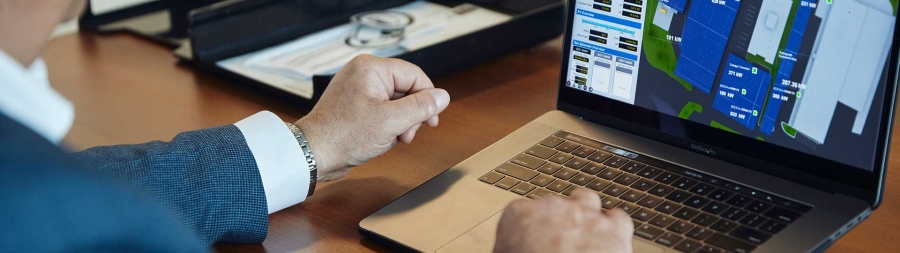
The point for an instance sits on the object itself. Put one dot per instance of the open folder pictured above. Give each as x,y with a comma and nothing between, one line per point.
294,47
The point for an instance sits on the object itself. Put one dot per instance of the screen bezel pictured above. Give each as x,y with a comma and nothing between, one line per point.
786,163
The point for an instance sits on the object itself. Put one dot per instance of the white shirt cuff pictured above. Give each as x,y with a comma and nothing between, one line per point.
282,166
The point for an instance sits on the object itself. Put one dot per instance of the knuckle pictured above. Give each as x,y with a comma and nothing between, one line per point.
426,103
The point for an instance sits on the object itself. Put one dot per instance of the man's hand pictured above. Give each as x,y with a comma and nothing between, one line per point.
371,104
555,224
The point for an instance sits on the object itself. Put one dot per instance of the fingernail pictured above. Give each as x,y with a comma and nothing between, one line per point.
441,98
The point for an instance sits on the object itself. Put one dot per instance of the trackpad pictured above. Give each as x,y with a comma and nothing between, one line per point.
481,239
478,239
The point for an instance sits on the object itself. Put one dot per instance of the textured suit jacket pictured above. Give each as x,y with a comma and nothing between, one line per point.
179,196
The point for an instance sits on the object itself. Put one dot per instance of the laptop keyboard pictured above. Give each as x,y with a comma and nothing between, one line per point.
673,206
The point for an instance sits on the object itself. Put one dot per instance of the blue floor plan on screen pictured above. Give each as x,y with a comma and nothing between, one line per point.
703,44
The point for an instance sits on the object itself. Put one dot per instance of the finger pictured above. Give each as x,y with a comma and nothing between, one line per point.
622,219
433,121
407,137
587,198
415,109
406,78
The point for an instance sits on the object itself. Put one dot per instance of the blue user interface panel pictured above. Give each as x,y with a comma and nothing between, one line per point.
809,75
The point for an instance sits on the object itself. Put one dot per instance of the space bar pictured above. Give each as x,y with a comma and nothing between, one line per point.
730,244
516,171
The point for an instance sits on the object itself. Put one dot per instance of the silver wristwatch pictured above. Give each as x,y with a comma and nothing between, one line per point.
310,158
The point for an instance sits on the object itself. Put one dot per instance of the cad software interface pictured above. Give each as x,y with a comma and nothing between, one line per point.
809,75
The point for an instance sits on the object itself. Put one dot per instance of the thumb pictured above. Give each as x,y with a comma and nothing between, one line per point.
418,107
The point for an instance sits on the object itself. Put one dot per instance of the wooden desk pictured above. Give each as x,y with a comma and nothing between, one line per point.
130,91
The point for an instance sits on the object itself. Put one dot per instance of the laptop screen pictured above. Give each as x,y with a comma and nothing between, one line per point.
807,75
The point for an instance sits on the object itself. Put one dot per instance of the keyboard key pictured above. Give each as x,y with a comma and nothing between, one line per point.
491,177
633,167
523,188
538,193
516,171
609,203
560,158
684,183
730,244
568,192
650,172
688,245
644,214
507,183
705,219
724,226
700,233
758,206
615,161
686,213
678,196
598,184
661,190
628,207
668,207
709,249
626,179
577,163
667,178
750,235
782,214
632,196
715,207
702,189
565,173
643,184
567,147
696,202
609,173
527,161
739,200
583,151
650,201
647,231
542,180
720,195
772,226
549,168
669,239
599,156
661,220
615,190
552,141
540,151
753,220
681,227
734,213
592,168
582,179
558,186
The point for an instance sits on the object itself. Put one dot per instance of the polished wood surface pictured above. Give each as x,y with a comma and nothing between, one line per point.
127,90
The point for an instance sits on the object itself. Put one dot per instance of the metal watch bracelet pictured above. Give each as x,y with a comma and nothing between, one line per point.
307,152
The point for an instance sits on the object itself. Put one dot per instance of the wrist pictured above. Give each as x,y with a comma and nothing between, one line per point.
324,150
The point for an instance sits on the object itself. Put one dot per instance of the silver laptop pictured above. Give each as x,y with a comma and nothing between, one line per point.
719,125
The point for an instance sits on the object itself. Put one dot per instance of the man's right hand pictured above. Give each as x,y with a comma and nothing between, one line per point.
555,224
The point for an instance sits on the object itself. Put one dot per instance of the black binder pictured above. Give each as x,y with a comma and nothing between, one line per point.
227,30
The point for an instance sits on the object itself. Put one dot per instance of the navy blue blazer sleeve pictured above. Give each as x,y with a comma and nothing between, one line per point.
207,178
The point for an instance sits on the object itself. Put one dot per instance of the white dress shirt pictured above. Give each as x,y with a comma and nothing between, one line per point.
26,97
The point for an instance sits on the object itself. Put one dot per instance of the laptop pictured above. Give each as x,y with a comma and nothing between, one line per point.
719,125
